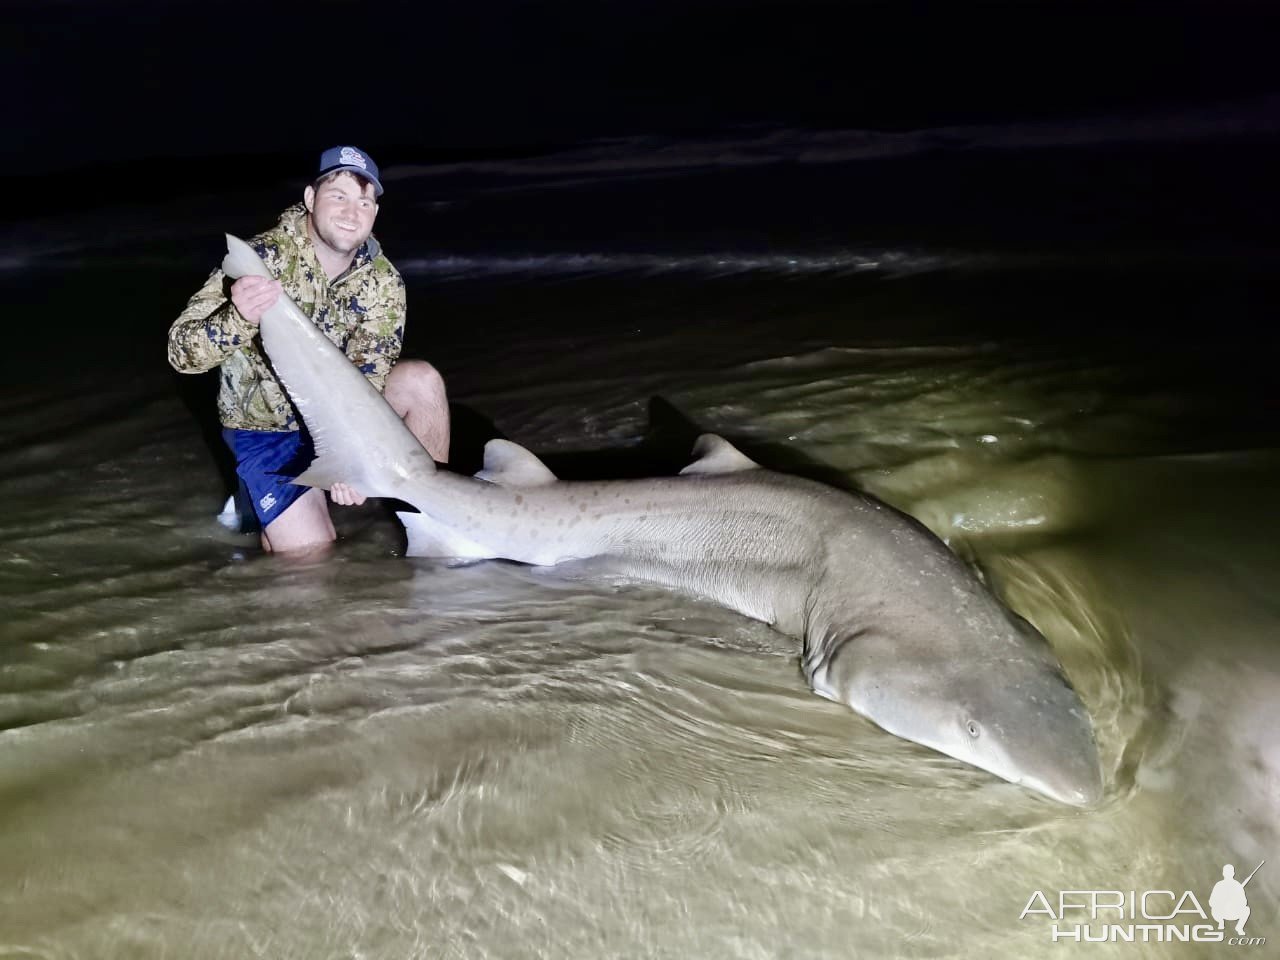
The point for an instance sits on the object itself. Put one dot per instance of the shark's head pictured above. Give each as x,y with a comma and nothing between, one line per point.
1005,706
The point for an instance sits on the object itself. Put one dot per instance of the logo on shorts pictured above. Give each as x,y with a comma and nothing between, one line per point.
351,157
267,502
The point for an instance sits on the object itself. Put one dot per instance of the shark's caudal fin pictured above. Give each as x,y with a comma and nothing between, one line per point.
512,465
717,455
327,469
242,260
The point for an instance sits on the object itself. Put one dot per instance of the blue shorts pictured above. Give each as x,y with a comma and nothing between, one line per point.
266,462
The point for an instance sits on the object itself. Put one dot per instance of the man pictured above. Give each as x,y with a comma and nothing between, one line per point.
325,257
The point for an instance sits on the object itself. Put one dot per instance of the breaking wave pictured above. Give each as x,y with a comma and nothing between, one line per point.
837,262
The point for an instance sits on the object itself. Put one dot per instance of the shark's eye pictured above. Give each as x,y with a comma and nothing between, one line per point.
975,731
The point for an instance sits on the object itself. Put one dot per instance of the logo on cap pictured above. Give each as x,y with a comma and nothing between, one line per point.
351,156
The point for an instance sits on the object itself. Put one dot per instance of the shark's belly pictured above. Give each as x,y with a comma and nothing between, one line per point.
771,594
751,543
756,563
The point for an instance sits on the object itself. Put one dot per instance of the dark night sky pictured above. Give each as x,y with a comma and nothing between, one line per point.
95,83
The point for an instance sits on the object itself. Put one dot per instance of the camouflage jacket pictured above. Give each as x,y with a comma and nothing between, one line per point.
362,311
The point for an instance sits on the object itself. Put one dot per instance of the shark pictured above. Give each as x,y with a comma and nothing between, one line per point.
892,623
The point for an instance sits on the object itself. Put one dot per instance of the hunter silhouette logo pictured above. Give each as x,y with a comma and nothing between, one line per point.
1228,900
1148,916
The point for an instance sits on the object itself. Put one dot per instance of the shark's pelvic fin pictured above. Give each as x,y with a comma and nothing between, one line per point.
512,465
428,538
717,455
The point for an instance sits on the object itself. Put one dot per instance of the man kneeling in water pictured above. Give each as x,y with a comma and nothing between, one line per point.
325,257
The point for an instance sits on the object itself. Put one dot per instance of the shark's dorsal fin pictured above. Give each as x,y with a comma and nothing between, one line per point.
339,464
717,455
512,465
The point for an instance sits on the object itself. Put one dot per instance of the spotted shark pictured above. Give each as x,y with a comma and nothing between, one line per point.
893,623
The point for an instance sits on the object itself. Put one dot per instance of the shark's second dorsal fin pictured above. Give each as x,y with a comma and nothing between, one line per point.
717,455
512,465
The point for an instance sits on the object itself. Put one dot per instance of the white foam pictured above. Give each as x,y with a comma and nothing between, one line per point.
902,262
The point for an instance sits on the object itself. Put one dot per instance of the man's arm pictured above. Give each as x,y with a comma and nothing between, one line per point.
211,328
208,330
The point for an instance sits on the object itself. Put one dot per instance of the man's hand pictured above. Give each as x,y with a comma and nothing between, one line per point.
253,296
345,495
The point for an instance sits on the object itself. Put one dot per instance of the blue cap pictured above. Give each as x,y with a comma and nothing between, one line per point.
353,159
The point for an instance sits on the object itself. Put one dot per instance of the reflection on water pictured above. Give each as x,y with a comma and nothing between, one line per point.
211,753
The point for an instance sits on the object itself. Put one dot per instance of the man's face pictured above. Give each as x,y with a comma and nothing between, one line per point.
342,213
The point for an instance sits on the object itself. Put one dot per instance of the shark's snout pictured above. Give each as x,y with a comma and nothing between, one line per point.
1016,717
1083,789
1051,751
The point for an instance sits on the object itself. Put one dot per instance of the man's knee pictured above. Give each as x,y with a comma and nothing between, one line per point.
416,392
413,382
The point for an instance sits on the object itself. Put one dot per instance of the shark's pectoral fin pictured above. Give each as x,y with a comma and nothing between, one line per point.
428,538
717,455
512,465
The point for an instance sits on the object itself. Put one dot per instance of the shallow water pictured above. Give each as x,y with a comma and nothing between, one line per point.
207,752
1046,356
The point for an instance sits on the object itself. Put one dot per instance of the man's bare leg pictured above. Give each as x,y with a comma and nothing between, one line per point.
304,524
416,391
